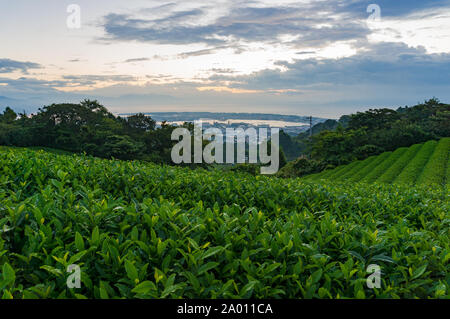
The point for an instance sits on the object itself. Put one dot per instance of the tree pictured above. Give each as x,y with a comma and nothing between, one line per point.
139,124
95,107
8,116
373,119
122,147
290,146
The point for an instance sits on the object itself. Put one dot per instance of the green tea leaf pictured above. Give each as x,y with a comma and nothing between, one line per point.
8,274
131,270
79,242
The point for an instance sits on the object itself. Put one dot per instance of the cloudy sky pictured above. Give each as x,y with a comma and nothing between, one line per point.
306,57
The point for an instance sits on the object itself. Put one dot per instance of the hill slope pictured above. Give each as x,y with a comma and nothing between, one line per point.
421,164
139,230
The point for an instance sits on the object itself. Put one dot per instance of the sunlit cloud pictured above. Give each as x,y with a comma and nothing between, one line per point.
429,29
226,89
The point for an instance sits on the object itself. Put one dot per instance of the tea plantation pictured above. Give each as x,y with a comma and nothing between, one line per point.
138,230
421,164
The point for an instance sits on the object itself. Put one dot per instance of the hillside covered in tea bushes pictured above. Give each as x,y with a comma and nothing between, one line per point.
139,230
363,135
421,164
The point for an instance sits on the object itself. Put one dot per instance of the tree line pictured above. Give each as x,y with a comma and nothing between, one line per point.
364,134
88,127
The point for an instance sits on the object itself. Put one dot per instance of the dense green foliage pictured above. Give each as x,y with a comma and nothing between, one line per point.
422,164
138,230
397,168
415,167
299,145
365,134
88,127
435,170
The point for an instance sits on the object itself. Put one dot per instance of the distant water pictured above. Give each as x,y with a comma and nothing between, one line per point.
271,123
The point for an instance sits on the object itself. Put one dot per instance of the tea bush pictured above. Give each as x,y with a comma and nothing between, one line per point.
397,168
415,167
138,230
435,170
421,164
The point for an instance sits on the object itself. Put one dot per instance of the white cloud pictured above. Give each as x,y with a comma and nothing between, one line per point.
429,29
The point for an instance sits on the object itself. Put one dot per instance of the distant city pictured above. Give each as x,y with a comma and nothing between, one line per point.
291,124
